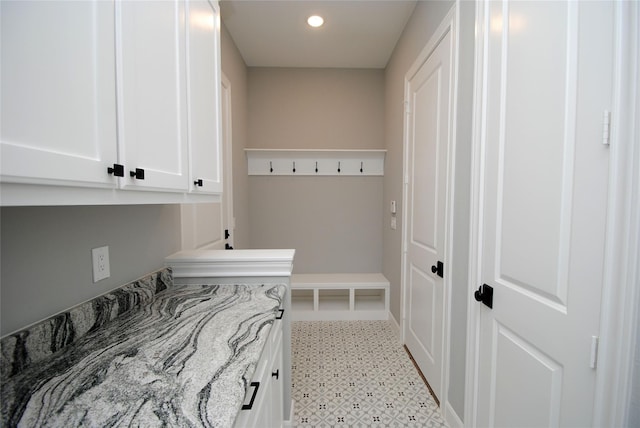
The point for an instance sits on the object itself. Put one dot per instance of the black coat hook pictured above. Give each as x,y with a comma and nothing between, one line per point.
361,168
270,166
316,167
294,166
338,166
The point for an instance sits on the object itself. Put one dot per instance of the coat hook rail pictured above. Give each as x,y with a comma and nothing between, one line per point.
301,162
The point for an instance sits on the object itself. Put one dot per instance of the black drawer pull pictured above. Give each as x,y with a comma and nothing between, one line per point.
253,396
280,315
276,374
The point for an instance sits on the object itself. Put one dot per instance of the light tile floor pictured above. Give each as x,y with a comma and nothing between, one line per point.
356,374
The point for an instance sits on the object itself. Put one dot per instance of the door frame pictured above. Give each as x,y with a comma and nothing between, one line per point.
448,25
227,162
621,294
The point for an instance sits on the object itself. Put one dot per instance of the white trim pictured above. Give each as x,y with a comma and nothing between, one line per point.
621,294
237,263
227,150
290,422
451,417
448,25
395,327
475,217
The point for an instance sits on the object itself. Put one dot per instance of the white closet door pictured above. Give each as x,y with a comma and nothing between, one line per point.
428,139
545,172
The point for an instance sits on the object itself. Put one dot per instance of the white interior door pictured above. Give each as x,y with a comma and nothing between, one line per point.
542,213
428,137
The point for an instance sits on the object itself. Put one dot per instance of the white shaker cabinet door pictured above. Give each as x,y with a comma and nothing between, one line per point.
152,105
203,64
58,116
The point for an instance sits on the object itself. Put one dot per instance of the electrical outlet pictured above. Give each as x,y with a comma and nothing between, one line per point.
100,258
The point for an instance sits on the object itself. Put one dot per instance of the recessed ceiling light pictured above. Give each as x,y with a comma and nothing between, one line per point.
315,21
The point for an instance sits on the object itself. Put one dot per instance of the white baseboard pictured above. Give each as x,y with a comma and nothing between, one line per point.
451,417
290,422
395,326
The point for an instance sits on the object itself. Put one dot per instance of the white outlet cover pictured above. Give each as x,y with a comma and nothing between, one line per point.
101,269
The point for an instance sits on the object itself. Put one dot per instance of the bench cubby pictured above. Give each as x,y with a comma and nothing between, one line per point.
345,296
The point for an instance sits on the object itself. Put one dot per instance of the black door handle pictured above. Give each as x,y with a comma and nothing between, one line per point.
484,294
438,269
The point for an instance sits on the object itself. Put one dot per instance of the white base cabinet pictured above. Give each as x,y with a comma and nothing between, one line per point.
263,401
252,267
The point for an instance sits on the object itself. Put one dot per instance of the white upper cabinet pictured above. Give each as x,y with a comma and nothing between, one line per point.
120,98
152,103
58,92
203,80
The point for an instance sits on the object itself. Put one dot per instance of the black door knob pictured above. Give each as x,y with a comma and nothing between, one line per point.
438,269
484,294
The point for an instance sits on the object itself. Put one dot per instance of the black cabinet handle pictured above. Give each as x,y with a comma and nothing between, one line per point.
138,174
256,385
280,315
117,170
276,374
198,182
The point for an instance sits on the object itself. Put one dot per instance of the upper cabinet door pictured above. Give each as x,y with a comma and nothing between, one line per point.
203,63
152,105
58,93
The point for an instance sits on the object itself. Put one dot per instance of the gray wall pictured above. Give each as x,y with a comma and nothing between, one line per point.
423,23
334,223
46,254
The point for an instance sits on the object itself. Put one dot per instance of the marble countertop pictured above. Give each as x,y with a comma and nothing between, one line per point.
182,359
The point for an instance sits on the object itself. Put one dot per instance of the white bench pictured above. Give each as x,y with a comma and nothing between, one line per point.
339,296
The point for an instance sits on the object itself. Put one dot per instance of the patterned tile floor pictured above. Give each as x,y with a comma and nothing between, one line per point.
356,374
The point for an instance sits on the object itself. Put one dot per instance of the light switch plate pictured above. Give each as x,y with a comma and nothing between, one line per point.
101,269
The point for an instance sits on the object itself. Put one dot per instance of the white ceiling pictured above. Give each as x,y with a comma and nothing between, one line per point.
356,33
